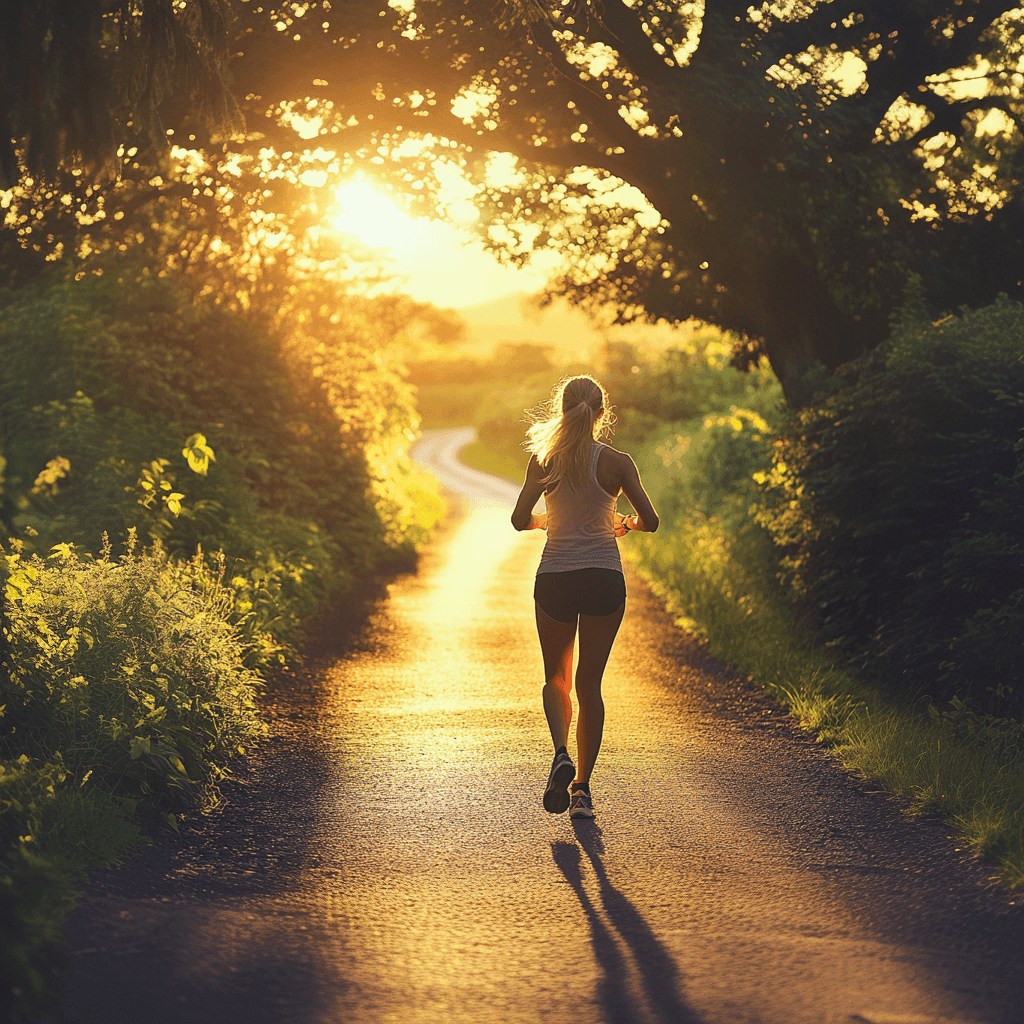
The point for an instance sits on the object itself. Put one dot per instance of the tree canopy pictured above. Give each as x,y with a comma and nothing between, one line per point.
780,171
77,76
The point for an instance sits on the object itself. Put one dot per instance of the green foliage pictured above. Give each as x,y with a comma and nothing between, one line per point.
492,394
508,361
717,568
126,670
77,75
295,458
897,503
457,390
450,405
744,177
501,418
964,766
128,688
690,379
199,454
133,405
709,559
647,389
779,172
496,461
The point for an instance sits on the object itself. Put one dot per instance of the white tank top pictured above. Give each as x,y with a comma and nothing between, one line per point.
581,531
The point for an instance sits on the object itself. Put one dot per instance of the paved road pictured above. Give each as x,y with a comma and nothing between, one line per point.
386,858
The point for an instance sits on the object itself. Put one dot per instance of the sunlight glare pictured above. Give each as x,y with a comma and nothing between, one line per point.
372,218
438,260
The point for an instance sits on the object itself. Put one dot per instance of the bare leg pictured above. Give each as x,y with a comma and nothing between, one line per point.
597,634
557,640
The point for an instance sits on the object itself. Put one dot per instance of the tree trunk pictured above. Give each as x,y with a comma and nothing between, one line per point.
805,332
794,360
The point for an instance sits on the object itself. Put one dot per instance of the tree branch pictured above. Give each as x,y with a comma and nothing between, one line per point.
630,40
896,77
966,40
596,106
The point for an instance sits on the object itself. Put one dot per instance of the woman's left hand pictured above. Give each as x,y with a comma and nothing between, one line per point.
621,526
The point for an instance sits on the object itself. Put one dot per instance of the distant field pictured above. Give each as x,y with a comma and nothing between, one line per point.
479,456
450,405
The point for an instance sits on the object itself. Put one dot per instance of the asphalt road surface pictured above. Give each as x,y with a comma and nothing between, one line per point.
385,856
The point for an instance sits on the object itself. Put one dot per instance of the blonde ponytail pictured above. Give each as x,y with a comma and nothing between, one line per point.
565,428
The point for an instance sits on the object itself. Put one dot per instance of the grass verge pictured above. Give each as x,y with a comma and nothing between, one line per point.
961,766
478,455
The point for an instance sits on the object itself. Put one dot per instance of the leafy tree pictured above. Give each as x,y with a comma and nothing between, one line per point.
77,76
778,171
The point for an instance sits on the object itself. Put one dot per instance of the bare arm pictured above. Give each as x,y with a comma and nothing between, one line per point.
646,519
523,517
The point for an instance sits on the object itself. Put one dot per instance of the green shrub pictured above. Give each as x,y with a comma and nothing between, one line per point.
126,672
681,383
127,691
109,374
488,393
710,556
897,502
718,571
106,377
502,417
510,360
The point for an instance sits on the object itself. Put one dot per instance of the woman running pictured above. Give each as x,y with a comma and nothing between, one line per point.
579,580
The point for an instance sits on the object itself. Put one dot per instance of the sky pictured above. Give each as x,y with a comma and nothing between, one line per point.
441,262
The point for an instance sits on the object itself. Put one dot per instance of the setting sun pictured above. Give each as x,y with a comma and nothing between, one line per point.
373,218
439,262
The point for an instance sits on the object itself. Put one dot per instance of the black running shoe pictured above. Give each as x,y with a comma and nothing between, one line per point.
556,796
582,805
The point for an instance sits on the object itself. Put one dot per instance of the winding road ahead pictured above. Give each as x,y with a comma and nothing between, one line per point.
386,856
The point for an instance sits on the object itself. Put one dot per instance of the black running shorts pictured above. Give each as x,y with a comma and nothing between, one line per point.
567,595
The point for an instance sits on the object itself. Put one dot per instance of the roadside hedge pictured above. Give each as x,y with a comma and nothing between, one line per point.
896,503
124,697
861,561
182,484
127,672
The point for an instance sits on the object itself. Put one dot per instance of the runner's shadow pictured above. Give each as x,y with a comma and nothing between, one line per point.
612,991
659,976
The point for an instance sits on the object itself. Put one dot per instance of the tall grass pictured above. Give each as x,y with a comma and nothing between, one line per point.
479,455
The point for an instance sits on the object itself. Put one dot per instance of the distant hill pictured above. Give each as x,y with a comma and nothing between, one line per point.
573,336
